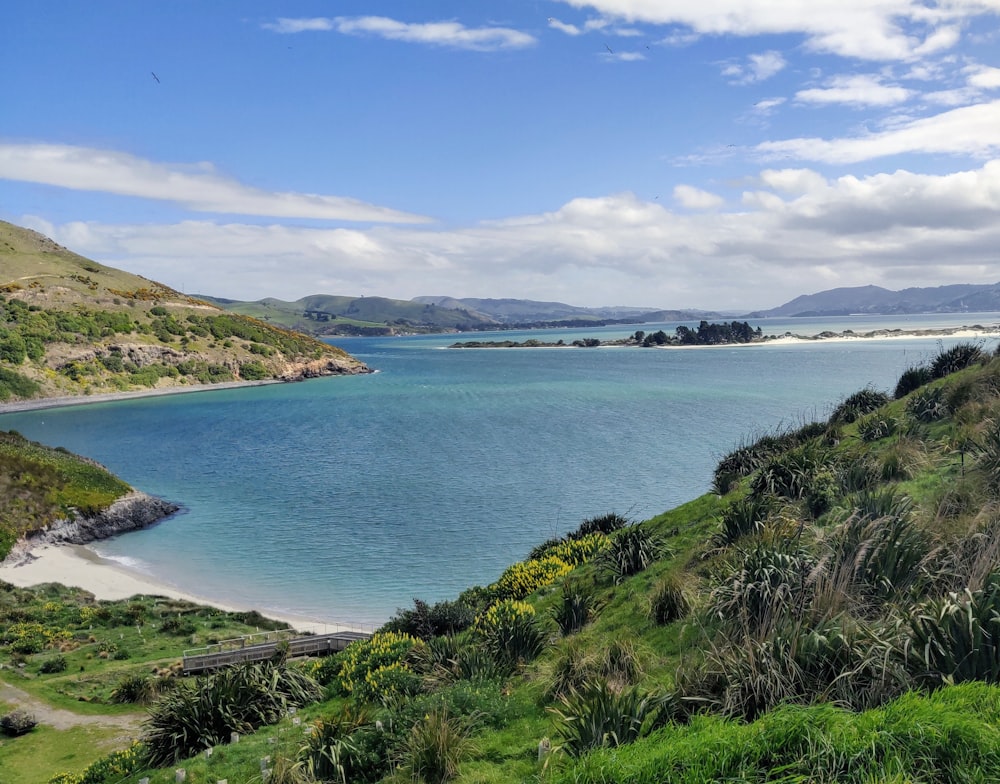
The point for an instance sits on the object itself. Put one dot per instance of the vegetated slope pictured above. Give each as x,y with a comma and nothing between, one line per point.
40,486
831,613
323,314
71,326
525,311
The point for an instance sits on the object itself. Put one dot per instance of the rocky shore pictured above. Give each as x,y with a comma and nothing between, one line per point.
129,513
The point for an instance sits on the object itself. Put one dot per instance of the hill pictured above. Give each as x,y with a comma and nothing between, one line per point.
70,326
959,298
521,312
322,314
829,613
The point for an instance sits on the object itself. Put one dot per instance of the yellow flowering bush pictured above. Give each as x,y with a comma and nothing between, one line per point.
115,767
525,577
578,551
369,666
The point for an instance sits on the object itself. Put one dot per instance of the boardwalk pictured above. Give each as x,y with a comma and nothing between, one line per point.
245,649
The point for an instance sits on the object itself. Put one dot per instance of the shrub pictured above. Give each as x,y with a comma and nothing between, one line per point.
911,379
743,517
669,601
53,665
576,608
237,699
134,689
434,748
510,632
956,358
523,578
602,524
631,550
377,669
854,406
597,716
17,722
957,638
329,751
927,405
875,427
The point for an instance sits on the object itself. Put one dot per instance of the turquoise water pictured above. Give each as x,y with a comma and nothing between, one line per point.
344,498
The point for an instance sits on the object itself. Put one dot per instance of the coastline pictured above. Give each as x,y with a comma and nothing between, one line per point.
38,404
785,339
78,566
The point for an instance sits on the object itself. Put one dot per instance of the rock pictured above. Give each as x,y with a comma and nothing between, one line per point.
129,513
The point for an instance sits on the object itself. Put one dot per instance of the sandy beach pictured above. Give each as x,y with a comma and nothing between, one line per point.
80,567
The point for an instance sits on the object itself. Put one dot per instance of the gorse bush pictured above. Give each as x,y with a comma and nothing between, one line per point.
377,669
523,578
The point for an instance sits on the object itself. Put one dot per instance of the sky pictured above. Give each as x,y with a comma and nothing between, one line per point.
718,154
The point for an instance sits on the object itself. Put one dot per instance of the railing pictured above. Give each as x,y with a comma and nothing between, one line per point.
213,657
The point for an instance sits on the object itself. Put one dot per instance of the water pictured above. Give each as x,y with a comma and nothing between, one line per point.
344,498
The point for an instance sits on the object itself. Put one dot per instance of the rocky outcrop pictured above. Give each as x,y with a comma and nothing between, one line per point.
129,513
328,366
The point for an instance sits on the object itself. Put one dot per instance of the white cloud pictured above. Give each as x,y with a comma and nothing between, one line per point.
857,90
196,186
865,29
448,34
984,77
696,199
757,68
795,229
969,130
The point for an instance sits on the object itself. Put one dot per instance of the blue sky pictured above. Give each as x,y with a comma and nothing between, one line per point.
665,153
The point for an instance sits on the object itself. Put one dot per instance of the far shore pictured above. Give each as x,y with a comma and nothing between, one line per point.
79,566
785,339
37,404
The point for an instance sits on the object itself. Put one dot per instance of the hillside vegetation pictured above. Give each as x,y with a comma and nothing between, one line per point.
71,326
39,485
830,613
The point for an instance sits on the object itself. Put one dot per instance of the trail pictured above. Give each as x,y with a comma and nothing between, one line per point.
62,719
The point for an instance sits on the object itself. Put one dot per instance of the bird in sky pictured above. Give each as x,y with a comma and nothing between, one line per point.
609,48
155,77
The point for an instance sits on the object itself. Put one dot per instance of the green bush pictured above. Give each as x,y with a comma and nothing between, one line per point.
510,633
631,550
911,379
862,402
669,600
956,358
435,747
597,716
53,665
577,606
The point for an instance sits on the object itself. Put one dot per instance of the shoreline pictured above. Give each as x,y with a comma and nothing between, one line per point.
78,566
785,339
38,404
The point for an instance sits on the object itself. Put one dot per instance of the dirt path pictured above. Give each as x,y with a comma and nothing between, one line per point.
62,719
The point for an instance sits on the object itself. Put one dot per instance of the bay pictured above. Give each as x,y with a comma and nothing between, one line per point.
344,498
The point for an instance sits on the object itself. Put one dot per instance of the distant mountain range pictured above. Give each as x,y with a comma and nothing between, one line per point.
873,300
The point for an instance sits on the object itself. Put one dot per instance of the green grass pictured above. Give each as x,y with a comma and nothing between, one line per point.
36,757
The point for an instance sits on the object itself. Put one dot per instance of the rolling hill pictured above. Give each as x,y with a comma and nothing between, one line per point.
958,298
71,326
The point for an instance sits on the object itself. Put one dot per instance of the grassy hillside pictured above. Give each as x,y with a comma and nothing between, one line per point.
831,613
39,485
322,314
71,326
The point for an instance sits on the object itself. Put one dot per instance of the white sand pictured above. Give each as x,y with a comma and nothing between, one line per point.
80,567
